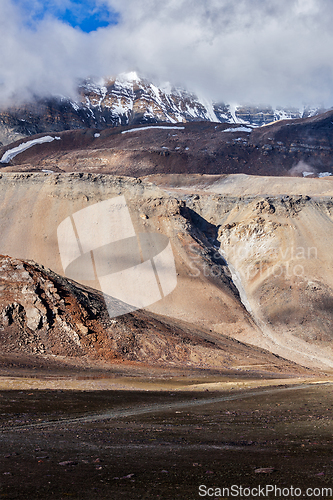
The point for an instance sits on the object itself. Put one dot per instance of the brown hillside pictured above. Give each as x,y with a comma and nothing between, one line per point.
287,147
44,314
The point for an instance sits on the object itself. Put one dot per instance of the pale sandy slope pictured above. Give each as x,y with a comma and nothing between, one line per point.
244,185
33,205
277,237
278,248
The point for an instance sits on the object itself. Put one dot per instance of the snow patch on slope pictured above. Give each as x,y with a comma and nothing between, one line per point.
324,174
208,105
153,126
11,153
233,109
238,129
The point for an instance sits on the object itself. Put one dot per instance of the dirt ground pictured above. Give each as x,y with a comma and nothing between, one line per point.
164,444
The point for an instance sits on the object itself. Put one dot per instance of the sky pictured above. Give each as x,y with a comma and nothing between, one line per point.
274,52
86,15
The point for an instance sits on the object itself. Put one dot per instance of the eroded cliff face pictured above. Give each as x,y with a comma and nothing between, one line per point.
33,206
280,248
256,268
278,251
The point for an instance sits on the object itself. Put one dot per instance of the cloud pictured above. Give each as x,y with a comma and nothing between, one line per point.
302,168
263,51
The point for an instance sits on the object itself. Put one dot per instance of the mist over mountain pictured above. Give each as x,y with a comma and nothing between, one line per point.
129,100
275,52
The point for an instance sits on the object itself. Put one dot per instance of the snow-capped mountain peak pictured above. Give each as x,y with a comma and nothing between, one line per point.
129,99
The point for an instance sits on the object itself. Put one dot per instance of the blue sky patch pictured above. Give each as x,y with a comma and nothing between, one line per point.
86,15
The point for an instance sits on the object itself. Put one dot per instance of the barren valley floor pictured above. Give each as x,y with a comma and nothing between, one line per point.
165,440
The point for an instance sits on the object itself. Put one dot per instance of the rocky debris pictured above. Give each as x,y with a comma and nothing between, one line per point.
249,230
45,314
262,227
35,317
285,205
264,470
265,206
294,204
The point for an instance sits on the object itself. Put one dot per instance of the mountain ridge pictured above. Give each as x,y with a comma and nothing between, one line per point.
130,100
300,147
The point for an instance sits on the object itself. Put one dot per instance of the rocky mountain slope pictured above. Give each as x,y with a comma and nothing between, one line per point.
301,147
130,100
33,206
44,314
278,249
255,268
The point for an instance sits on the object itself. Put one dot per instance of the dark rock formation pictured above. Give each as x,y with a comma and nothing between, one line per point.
45,314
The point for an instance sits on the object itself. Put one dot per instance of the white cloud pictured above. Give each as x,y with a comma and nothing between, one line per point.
263,51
